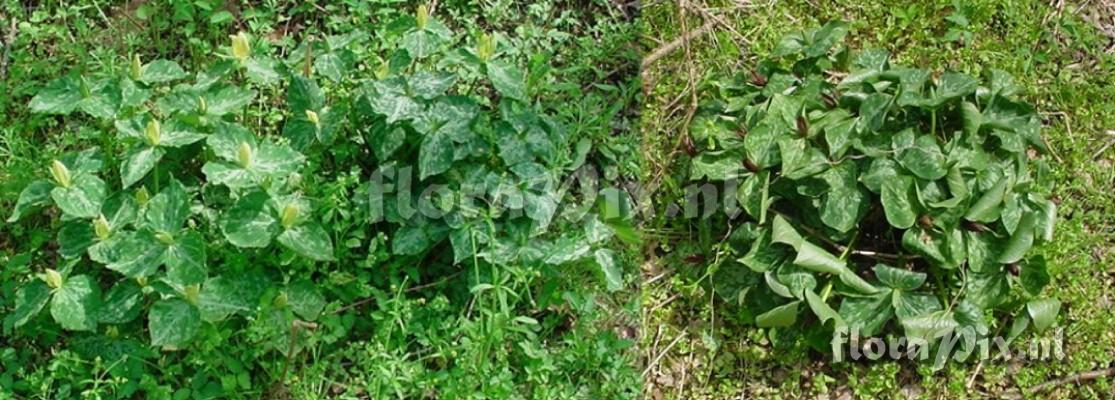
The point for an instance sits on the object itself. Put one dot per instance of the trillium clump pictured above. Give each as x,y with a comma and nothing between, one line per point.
188,182
875,196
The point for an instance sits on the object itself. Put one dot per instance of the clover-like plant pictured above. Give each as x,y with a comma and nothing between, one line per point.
876,195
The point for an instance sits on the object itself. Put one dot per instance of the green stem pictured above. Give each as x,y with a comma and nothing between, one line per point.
933,122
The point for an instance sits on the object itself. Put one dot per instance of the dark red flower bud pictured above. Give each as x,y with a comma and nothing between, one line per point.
803,127
750,166
758,80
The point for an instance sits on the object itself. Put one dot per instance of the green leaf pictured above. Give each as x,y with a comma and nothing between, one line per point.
970,316
103,100
873,112
1043,312
897,197
953,85
430,85
814,258
226,139
879,172
173,323
139,161
798,280
386,140
135,255
309,240
60,96
823,39
613,274
169,209
121,303
783,232
261,70
185,259
1020,242
177,135
87,161
332,66
304,94
389,98
776,286
435,156
228,174
421,43
783,315
930,326
987,290
924,158
82,199
1033,275
971,118
76,303
713,165
867,314
799,159
911,305
29,301
896,278
844,202
222,296
305,300
508,79
228,100
251,222
34,196
160,71
276,160
822,310
987,208
754,195
74,237
763,256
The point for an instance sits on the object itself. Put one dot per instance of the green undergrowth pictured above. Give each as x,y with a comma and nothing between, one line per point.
1059,62
331,300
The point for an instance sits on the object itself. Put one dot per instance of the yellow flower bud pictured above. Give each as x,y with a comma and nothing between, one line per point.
137,67
154,132
192,293
141,281
422,17
101,228
202,107
290,215
244,155
312,116
280,300
485,47
60,173
383,70
52,278
164,237
142,196
241,49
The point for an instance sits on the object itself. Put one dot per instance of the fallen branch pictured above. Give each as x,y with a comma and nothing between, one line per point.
1074,378
668,48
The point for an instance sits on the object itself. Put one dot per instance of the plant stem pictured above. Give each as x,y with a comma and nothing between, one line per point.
933,122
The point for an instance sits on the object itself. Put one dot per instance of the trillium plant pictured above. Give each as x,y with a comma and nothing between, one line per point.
191,177
877,198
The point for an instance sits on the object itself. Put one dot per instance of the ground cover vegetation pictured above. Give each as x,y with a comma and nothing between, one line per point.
845,196
280,200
